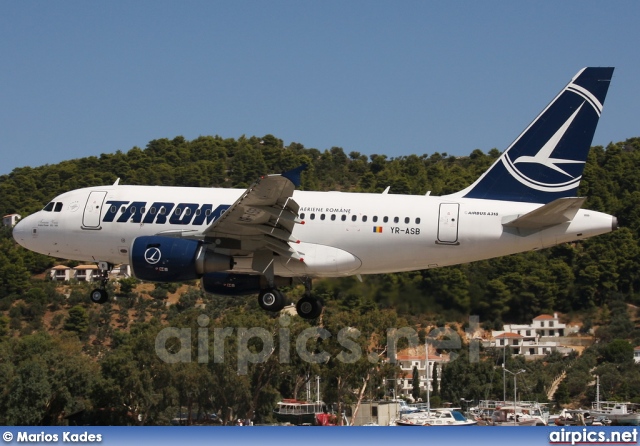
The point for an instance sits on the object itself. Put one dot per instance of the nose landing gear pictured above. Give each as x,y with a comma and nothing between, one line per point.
100,295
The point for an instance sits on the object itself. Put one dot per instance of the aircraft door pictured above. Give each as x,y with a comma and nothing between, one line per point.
92,210
448,223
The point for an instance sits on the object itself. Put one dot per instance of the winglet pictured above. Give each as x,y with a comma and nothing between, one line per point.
293,175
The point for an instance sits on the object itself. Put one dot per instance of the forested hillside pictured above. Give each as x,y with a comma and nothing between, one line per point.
62,356
517,288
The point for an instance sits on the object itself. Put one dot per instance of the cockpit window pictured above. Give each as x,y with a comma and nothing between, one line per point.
58,207
49,207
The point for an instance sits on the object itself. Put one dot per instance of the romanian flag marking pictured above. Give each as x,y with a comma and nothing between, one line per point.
377,229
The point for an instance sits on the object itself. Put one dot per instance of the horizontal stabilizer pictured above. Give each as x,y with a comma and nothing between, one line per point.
557,212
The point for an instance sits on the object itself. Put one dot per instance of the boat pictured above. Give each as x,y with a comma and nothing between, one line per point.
518,416
620,414
409,408
501,413
578,417
301,413
436,417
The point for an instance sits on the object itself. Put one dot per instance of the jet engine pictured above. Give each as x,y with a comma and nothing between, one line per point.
169,259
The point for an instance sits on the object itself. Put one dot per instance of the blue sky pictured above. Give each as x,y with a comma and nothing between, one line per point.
83,78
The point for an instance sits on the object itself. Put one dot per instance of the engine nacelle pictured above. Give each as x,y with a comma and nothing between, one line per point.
169,259
230,284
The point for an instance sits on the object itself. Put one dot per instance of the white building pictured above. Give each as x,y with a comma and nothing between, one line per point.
382,413
10,220
407,360
539,338
636,354
85,273
543,325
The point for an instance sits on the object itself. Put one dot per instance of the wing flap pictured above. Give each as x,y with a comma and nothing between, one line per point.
265,214
280,234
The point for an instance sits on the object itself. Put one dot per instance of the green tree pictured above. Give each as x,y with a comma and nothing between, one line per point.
415,384
618,351
48,378
78,320
127,285
561,396
435,382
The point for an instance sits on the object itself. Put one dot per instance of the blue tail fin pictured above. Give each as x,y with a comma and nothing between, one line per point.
547,160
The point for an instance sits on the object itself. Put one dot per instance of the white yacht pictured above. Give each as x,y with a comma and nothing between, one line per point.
436,417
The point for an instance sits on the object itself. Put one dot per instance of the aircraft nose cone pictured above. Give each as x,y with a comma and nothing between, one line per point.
18,232
21,232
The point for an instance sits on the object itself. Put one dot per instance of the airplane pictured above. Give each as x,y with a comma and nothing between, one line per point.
271,235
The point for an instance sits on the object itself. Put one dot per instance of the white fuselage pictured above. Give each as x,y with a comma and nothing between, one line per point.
343,233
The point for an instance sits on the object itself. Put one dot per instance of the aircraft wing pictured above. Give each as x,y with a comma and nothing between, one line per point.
554,213
262,219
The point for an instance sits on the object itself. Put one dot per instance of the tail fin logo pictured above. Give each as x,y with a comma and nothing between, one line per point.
540,164
544,158
547,160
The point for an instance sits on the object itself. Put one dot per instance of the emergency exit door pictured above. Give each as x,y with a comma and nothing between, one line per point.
448,223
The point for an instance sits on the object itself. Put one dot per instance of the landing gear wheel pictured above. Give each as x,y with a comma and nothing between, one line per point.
99,296
309,308
271,299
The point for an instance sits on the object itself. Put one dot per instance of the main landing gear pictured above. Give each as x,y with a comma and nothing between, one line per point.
309,307
100,295
272,299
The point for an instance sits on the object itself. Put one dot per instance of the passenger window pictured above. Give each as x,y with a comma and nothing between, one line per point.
152,211
302,216
333,217
177,211
143,210
354,218
207,212
312,216
386,219
375,218
407,219
396,219
58,207
198,211
187,211
364,218
113,209
344,218
49,207
162,210
122,209
418,220
321,216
